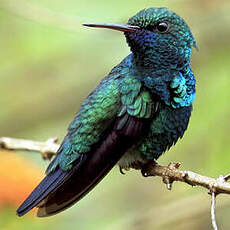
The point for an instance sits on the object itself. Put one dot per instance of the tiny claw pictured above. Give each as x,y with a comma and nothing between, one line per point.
168,181
144,174
145,169
169,186
121,170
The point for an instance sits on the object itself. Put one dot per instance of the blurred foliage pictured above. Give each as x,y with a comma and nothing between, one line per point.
49,63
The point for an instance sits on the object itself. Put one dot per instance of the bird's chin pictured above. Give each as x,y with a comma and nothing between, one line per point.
142,42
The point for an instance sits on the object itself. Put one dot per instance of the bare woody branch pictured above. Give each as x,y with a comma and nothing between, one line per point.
169,173
47,148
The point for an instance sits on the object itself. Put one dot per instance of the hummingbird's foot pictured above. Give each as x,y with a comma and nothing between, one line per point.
145,168
121,170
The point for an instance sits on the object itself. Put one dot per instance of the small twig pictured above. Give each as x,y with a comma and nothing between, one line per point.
213,215
47,148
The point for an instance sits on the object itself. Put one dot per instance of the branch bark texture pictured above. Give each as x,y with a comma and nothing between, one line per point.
171,173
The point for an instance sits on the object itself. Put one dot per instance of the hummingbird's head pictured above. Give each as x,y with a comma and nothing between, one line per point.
156,36
163,37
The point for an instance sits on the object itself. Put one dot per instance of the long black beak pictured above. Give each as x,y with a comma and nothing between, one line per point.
119,27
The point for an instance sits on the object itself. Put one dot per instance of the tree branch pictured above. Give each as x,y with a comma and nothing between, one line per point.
171,173
168,173
47,148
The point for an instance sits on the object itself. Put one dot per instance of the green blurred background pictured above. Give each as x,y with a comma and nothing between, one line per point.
49,64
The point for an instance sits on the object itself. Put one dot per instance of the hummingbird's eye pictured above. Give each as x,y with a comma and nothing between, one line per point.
162,27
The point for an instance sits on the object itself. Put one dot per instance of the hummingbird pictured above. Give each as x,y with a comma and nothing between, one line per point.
136,113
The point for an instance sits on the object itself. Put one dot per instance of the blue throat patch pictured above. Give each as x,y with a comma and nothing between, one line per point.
177,91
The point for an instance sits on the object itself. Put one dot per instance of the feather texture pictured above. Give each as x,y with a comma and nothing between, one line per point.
60,189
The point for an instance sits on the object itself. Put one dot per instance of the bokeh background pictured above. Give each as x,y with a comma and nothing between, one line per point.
48,65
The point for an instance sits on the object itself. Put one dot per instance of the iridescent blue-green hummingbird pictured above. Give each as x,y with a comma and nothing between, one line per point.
133,116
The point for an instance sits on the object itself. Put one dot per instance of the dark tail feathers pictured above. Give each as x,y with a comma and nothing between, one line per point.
49,184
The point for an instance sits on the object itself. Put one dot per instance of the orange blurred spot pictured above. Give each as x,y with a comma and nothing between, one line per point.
18,177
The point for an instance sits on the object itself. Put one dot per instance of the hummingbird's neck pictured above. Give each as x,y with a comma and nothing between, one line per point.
159,62
159,79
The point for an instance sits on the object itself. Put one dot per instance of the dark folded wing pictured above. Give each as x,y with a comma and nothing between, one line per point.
61,189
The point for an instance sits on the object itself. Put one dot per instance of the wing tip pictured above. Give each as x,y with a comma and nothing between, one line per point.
21,211
19,214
